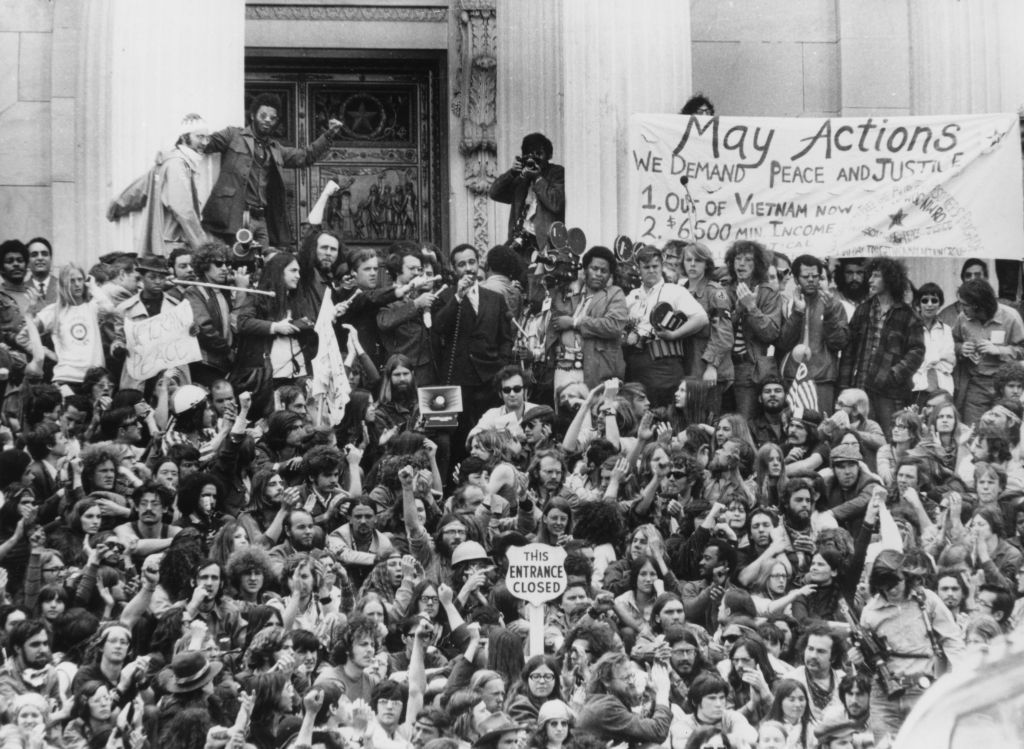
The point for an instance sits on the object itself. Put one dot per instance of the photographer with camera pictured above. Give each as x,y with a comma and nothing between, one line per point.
654,347
535,188
912,623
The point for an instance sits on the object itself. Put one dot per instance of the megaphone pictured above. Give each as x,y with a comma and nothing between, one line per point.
440,406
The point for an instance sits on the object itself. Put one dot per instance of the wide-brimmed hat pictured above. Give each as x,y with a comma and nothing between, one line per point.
493,727
188,672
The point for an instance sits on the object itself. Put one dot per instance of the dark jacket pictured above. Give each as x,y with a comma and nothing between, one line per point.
760,324
223,211
206,315
824,322
481,343
890,372
609,719
513,188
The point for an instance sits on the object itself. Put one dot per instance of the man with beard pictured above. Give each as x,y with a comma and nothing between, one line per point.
358,544
716,566
803,450
299,537
822,654
149,534
398,406
405,324
855,701
686,659
608,714
724,470
545,478
765,545
814,330
250,190
318,253
850,283
28,667
798,499
771,424
14,273
850,488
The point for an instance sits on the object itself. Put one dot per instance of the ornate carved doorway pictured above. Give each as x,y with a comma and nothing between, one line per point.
390,156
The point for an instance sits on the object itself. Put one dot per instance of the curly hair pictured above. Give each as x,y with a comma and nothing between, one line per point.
601,524
893,272
357,627
93,457
252,557
190,489
761,254
178,565
206,254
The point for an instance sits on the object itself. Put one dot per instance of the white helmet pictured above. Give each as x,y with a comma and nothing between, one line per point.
186,397
469,551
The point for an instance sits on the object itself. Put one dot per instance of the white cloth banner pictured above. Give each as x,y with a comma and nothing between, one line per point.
836,187
160,342
329,382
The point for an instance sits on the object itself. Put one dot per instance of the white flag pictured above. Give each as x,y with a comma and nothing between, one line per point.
330,381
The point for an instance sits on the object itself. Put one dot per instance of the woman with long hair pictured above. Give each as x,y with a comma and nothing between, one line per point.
792,708
750,675
73,322
92,715
276,340
770,474
905,434
279,450
268,505
634,606
644,541
199,502
555,522
953,436
234,535
732,426
82,520
539,681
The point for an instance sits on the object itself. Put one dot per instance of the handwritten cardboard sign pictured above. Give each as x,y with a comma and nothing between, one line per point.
160,342
831,187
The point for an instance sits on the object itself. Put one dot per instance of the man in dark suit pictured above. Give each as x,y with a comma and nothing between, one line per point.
535,188
47,445
250,190
40,266
474,329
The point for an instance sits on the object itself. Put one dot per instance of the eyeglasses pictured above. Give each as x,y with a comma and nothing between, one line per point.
778,576
429,599
542,677
218,263
54,569
557,723
677,474
930,300
731,639
512,389
782,272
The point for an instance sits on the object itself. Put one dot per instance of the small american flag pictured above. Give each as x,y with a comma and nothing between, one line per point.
803,395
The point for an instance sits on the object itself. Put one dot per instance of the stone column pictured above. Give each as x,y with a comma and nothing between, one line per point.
141,68
620,59
576,70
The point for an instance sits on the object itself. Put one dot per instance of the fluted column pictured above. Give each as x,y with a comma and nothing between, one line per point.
620,59
143,66
530,82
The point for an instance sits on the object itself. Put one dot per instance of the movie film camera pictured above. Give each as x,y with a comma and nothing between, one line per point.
560,258
246,252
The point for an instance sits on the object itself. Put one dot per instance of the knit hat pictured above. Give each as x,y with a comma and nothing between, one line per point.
193,123
845,453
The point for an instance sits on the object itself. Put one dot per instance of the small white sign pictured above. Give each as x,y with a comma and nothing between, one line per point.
536,572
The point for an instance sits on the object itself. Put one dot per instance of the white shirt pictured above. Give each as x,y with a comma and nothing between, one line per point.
642,301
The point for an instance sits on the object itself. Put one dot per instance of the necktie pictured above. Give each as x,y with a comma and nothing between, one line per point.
41,285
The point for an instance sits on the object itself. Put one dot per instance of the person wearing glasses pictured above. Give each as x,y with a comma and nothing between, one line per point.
514,405
250,190
211,311
936,372
539,681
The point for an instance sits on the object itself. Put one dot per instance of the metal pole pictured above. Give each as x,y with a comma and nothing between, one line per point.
222,286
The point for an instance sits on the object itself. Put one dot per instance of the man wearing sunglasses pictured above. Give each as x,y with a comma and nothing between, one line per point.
211,312
510,414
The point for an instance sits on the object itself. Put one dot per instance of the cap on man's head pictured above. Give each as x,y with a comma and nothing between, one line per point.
845,453
193,123
543,414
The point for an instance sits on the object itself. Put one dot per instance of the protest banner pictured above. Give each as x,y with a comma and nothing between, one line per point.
536,574
832,187
160,342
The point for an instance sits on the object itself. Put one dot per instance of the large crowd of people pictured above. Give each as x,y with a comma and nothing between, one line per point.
790,492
